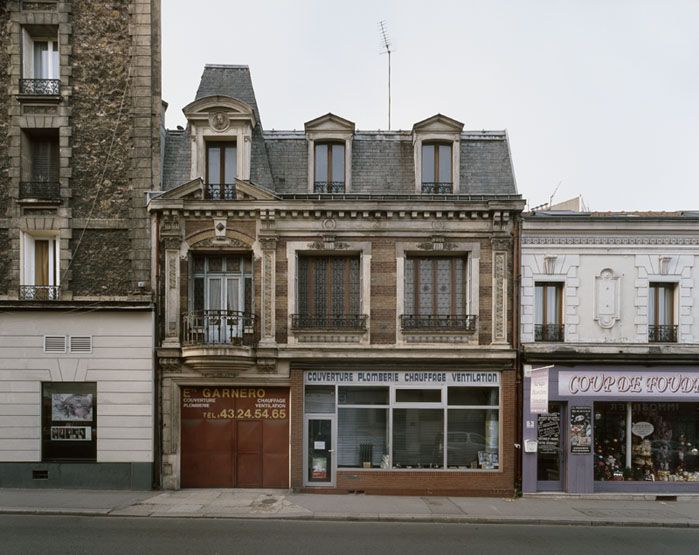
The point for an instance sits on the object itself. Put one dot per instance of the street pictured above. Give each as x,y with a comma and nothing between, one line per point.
56,535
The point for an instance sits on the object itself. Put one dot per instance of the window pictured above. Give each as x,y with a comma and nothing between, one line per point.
329,176
661,309
40,269
221,170
220,300
548,301
41,69
436,294
437,168
328,293
40,165
69,421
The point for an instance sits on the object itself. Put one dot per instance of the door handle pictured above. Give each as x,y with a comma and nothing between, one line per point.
331,450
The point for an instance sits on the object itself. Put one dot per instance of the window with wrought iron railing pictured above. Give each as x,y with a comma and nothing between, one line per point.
40,62
548,301
661,313
221,170
437,172
329,167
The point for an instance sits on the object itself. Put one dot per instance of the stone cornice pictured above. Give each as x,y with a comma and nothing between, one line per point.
595,240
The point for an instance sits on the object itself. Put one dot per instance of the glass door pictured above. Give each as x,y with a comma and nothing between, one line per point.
320,451
550,452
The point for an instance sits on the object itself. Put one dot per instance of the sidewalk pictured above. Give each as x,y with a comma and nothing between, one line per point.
281,504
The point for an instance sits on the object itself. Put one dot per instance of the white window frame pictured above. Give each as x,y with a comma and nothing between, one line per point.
28,271
28,69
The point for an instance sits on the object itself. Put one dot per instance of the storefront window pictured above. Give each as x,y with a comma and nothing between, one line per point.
658,443
69,421
417,438
362,437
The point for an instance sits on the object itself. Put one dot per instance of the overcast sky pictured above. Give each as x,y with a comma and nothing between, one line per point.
600,95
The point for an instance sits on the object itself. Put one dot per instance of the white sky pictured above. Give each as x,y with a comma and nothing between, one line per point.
602,95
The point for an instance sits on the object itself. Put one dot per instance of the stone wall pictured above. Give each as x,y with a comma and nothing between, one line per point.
4,116
100,264
5,266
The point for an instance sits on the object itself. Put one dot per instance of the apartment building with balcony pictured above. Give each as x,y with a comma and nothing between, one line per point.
335,305
79,148
609,311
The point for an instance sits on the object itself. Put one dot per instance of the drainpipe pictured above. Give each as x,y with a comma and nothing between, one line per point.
519,382
155,287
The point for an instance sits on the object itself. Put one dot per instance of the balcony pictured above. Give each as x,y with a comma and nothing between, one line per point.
329,187
333,323
447,322
662,334
40,87
437,187
40,190
220,191
549,332
39,292
219,327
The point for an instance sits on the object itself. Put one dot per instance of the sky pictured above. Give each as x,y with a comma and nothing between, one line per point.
600,98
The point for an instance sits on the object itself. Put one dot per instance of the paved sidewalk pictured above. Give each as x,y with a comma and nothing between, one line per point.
281,504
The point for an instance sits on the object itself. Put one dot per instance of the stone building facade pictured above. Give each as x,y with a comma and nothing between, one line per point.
610,343
335,305
79,149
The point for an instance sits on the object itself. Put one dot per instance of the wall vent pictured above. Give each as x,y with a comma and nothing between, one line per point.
40,474
80,343
54,343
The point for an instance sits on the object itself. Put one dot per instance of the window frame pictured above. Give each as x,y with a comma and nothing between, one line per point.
436,182
28,255
224,189
455,281
329,165
559,287
29,69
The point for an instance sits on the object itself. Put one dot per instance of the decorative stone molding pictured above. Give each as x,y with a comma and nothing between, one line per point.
604,240
172,295
218,121
170,226
328,242
267,366
607,301
664,264
500,297
268,243
550,264
438,243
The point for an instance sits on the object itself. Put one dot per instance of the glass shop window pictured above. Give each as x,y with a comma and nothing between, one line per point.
69,421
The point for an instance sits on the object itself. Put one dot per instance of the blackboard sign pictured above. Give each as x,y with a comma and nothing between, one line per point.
548,432
580,430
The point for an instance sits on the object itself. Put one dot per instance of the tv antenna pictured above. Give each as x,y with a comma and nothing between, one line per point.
554,193
386,46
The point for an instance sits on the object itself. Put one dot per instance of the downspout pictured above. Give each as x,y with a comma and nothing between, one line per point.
155,288
519,382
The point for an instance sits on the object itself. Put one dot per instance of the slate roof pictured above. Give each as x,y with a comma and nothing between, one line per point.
176,160
228,80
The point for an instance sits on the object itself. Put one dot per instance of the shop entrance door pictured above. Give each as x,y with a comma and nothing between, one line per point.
550,457
319,459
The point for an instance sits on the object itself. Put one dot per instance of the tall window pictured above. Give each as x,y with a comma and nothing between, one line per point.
661,313
221,170
40,269
40,164
437,168
329,168
328,293
220,299
548,301
436,292
41,67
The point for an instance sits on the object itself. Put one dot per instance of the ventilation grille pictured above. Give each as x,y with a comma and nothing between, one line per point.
40,474
55,344
80,344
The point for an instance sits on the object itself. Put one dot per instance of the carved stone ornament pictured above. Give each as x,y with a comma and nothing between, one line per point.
329,224
501,243
219,121
268,242
220,242
664,264
607,299
438,243
267,366
328,243
170,364
550,264
170,225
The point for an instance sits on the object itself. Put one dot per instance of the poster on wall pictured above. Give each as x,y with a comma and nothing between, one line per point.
581,430
71,407
319,468
548,433
539,391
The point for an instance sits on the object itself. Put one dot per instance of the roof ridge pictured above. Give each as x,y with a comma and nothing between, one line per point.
225,66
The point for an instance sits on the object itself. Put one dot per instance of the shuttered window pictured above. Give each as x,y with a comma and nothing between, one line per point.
44,160
435,286
328,286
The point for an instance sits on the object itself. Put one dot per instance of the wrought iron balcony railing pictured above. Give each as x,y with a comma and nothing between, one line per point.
219,327
445,322
549,332
662,334
437,187
333,187
219,191
40,87
348,322
39,190
39,292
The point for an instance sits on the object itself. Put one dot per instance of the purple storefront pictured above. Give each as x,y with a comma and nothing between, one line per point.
627,429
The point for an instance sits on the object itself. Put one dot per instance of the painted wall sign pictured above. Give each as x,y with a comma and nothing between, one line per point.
539,391
580,430
235,403
359,377
591,383
548,432
642,429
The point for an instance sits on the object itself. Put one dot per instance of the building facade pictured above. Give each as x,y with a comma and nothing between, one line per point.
336,305
608,328
79,149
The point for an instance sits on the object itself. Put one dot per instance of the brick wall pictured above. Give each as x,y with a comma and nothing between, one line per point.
383,291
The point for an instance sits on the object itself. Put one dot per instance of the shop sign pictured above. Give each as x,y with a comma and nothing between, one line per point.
235,403
539,391
548,432
581,430
360,377
642,429
627,383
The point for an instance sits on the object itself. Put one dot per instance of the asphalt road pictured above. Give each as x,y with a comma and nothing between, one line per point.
55,535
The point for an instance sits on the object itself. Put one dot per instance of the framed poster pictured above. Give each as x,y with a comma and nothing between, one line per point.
548,432
69,421
581,430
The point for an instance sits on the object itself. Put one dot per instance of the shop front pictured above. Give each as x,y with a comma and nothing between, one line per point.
398,431
234,436
617,429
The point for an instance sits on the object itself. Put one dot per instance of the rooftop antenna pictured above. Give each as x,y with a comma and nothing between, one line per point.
554,193
386,45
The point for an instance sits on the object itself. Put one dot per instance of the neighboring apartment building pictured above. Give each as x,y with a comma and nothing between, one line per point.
610,303
336,305
79,148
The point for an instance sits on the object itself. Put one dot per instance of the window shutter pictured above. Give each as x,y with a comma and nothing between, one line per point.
55,344
80,344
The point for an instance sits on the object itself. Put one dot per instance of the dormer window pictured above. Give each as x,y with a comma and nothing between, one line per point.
437,168
329,174
221,170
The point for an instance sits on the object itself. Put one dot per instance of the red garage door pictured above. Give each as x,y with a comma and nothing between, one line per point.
235,437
